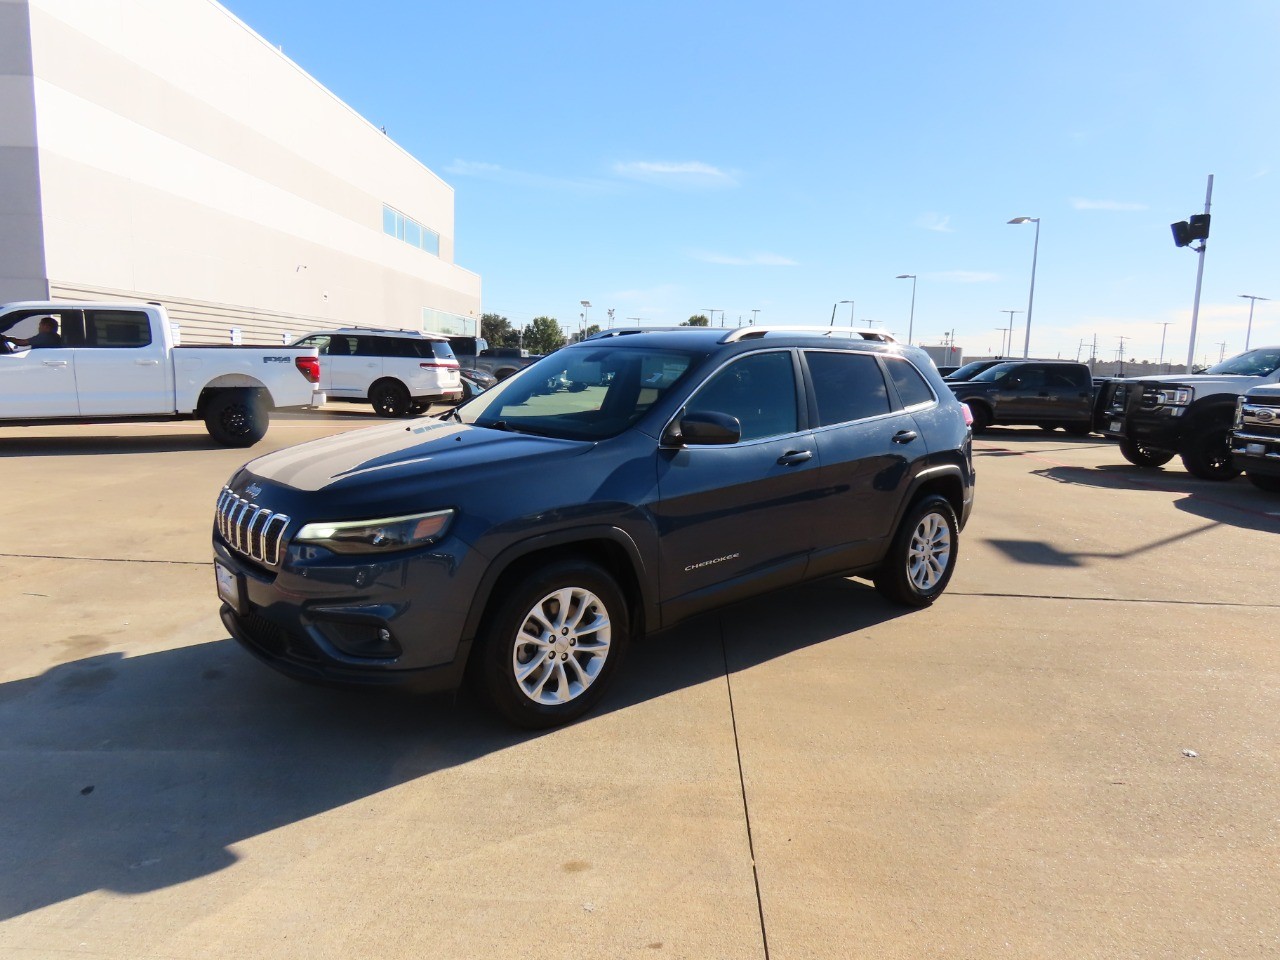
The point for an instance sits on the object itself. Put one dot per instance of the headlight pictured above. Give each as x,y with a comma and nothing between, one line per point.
377,536
1238,422
1175,396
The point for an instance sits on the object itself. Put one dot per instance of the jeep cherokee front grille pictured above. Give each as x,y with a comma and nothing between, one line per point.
253,531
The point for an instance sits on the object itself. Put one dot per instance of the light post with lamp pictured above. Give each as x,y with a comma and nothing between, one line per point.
1249,329
1035,252
833,312
911,322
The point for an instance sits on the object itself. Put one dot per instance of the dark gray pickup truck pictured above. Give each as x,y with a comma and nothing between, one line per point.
1046,393
476,354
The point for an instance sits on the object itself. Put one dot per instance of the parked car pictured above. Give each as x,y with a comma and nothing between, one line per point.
529,537
121,361
1158,417
400,372
1046,393
475,382
1255,437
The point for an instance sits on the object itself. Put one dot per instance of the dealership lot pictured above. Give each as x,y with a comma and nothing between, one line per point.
1073,753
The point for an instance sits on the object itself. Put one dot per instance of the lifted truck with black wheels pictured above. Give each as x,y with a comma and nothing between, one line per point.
1189,415
528,537
1255,437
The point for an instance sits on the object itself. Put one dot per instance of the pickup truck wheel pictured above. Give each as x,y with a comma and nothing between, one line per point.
922,556
1078,429
552,644
235,418
981,417
1140,455
390,398
1207,453
1266,482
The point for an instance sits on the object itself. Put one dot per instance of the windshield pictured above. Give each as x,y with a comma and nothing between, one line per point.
992,373
1255,363
580,393
969,369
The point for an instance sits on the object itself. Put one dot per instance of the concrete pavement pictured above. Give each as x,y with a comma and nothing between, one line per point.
1004,774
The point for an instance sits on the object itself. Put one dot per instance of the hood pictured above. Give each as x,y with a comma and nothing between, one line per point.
959,387
387,455
1230,382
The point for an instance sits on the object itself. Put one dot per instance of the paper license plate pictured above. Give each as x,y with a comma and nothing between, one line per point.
229,587
1255,449
1115,426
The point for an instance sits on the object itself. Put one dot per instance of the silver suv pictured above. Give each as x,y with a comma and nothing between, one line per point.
400,372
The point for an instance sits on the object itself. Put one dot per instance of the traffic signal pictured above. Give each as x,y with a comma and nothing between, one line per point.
1195,227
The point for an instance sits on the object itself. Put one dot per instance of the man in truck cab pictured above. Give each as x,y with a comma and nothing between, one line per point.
47,337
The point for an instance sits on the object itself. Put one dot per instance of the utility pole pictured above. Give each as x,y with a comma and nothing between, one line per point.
1164,329
1120,353
1010,313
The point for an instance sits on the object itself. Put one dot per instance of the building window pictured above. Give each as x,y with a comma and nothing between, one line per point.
396,224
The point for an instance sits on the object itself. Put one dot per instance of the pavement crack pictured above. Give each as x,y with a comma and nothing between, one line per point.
47,556
742,783
1151,600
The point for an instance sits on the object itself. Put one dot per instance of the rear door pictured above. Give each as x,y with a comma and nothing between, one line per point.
353,365
121,369
1070,392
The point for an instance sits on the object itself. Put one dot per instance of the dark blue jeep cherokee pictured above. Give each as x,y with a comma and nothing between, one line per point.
611,489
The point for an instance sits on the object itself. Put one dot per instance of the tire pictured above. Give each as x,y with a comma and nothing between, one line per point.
543,614
1078,429
1264,481
390,398
1048,427
236,418
922,555
1206,453
981,417
1140,455
417,409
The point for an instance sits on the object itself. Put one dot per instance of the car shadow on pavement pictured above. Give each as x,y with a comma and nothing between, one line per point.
132,774
1233,502
83,446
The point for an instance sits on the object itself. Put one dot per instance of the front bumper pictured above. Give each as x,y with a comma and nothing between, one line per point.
1256,454
396,620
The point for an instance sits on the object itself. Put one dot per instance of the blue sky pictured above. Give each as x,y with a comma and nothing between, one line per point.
662,159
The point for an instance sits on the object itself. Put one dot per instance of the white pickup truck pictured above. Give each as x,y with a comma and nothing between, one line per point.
119,361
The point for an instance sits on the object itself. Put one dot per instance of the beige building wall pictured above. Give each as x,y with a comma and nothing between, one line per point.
184,159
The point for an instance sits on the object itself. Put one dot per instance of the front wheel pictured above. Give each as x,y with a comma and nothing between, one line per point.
236,418
1140,455
553,643
1077,429
1266,482
1207,453
390,398
922,556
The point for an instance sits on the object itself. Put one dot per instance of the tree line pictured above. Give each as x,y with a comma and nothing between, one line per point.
543,334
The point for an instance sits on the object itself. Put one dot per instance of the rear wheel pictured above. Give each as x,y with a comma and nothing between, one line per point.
1263,481
553,643
1078,429
1207,453
1140,455
922,556
390,398
981,417
236,418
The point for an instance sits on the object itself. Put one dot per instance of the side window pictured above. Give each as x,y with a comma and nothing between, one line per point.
116,328
1030,378
912,388
847,386
1062,378
439,349
321,343
760,390
367,346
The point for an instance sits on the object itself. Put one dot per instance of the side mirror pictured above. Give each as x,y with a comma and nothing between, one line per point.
704,430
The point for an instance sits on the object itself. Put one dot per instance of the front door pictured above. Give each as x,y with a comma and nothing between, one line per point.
41,381
737,519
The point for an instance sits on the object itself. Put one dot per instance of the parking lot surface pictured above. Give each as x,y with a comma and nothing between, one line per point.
1074,753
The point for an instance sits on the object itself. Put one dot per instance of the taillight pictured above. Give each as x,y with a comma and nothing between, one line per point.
440,365
968,415
309,367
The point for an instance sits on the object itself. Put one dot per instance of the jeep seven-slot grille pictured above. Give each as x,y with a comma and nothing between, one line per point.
251,530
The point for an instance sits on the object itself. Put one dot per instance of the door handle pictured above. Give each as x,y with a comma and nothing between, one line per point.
147,363
904,436
792,457
54,363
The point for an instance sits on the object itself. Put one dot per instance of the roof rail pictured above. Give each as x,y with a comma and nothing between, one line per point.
625,331
843,333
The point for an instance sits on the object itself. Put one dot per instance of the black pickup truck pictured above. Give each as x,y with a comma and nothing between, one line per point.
1046,393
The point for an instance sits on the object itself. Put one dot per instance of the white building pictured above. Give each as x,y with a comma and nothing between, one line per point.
161,150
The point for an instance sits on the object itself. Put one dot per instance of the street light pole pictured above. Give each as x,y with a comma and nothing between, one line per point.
1164,329
1031,298
1195,306
586,307
1249,329
911,322
833,311
754,311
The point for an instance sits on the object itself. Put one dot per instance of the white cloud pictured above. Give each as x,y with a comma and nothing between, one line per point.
936,222
964,276
496,173
691,173
1115,205
754,260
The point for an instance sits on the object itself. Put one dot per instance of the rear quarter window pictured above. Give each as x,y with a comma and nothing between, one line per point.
912,388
